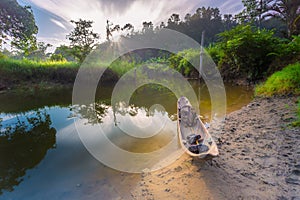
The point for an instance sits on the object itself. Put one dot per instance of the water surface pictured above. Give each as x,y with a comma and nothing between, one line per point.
42,156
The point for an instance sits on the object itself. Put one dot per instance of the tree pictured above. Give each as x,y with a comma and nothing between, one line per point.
173,20
288,11
117,27
187,18
228,21
147,27
40,52
205,19
248,52
65,52
252,11
57,57
18,25
83,39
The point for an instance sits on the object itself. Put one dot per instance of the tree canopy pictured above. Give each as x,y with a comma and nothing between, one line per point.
17,24
286,10
83,39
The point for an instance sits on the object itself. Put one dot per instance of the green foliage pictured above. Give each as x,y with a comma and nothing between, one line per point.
204,19
57,57
39,53
122,66
66,52
288,53
215,52
83,39
18,23
18,71
182,61
292,47
252,9
2,56
286,81
248,52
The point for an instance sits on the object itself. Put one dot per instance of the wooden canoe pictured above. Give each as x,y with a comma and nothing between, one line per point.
193,135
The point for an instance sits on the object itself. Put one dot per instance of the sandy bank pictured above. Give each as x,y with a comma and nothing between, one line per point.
259,159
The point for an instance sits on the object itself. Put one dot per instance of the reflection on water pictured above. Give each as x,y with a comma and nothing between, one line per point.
33,124
132,128
23,145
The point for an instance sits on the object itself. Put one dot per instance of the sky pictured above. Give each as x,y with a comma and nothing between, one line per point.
53,16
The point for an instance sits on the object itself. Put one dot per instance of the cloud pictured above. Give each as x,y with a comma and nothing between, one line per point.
60,12
58,23
232,7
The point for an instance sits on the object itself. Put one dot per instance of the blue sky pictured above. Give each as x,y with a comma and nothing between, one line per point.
53,16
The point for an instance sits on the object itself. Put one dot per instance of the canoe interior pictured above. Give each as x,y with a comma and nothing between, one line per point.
193,135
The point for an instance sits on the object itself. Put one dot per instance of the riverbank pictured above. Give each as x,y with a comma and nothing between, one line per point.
27,75
259,159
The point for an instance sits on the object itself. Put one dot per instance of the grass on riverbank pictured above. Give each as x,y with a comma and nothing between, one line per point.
286,81
297,122
13,64
13,72
25,72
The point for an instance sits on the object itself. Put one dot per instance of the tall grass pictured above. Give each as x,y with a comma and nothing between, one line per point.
19,71
12,64
120,67
16,72
286,81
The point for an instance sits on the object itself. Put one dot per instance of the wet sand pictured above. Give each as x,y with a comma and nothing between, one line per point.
259,159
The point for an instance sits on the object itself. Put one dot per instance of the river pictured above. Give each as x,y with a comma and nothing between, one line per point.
42,155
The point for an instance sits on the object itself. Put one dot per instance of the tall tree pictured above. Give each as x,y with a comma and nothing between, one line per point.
83,39
110,28
147,27
252,11
288,11
17,24
173,20
208,19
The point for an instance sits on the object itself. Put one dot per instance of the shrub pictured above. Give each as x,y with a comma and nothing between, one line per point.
248,52
182,61
57,57
216,53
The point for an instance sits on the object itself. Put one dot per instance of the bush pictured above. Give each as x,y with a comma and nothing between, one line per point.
216,53
58,57
289,53
292,47
181,61
121,66
286,81
248,52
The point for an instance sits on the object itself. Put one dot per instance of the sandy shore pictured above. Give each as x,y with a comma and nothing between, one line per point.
259,159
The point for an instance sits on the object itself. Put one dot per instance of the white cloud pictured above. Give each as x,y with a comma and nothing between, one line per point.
232,7
58,23
123,11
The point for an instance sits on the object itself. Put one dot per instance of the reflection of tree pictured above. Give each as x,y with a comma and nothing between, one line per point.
22,146
94,113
